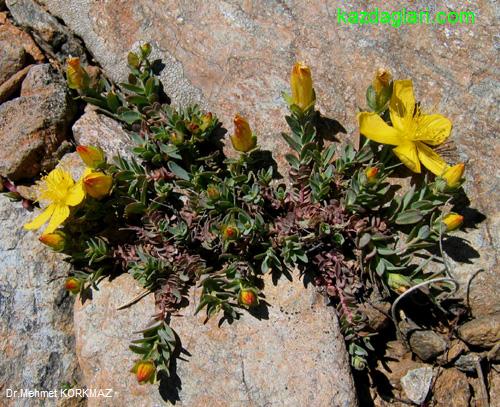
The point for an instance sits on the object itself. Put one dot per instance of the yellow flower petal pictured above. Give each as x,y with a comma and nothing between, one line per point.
38,222
433,129
75,194
407,153
402,104
372,126
430,159
61,212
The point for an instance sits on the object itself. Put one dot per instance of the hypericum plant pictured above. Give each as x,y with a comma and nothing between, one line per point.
180,213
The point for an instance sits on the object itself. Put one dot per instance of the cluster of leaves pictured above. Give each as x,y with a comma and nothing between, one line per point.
182,213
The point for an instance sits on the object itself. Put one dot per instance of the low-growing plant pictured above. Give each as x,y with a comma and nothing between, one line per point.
180,213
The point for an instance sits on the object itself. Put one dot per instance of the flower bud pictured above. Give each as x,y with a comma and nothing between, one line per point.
93,157
73,285
230,232
55,240
453,175
398,282
453,221
243,140
248,297
381,80
206,121
358,362
177,138
302,86
213,192
146,49
97,184
371,174
144,371
75,74
193,127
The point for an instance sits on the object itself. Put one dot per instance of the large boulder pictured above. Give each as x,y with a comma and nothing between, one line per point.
37,344
236,57
33,126
294,356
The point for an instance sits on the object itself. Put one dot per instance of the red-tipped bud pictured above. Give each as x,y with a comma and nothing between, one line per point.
453,221
213,192
371,174
145,371
73,285
206,121
97,184
54,240
248,297
93,157
302,86
75,74
230,232
381,80
177,138
243,140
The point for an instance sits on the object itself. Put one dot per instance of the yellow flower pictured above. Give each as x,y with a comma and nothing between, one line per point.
302,86
54,240
381,80
97,184
412,132
93,157
60,190
243,140
453,221
453,175
76,76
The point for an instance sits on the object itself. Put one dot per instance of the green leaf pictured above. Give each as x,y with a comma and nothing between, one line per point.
113,101
132,88
178,171
138,349
364,240
292,142
409,217
130,116
424,232
135,208
293,160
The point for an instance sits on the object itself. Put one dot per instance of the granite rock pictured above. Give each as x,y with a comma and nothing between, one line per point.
417,383
53,37
12,58
14,37
13,84
483,331
427,345
36,318
451,389
93,129
293,357
33,125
